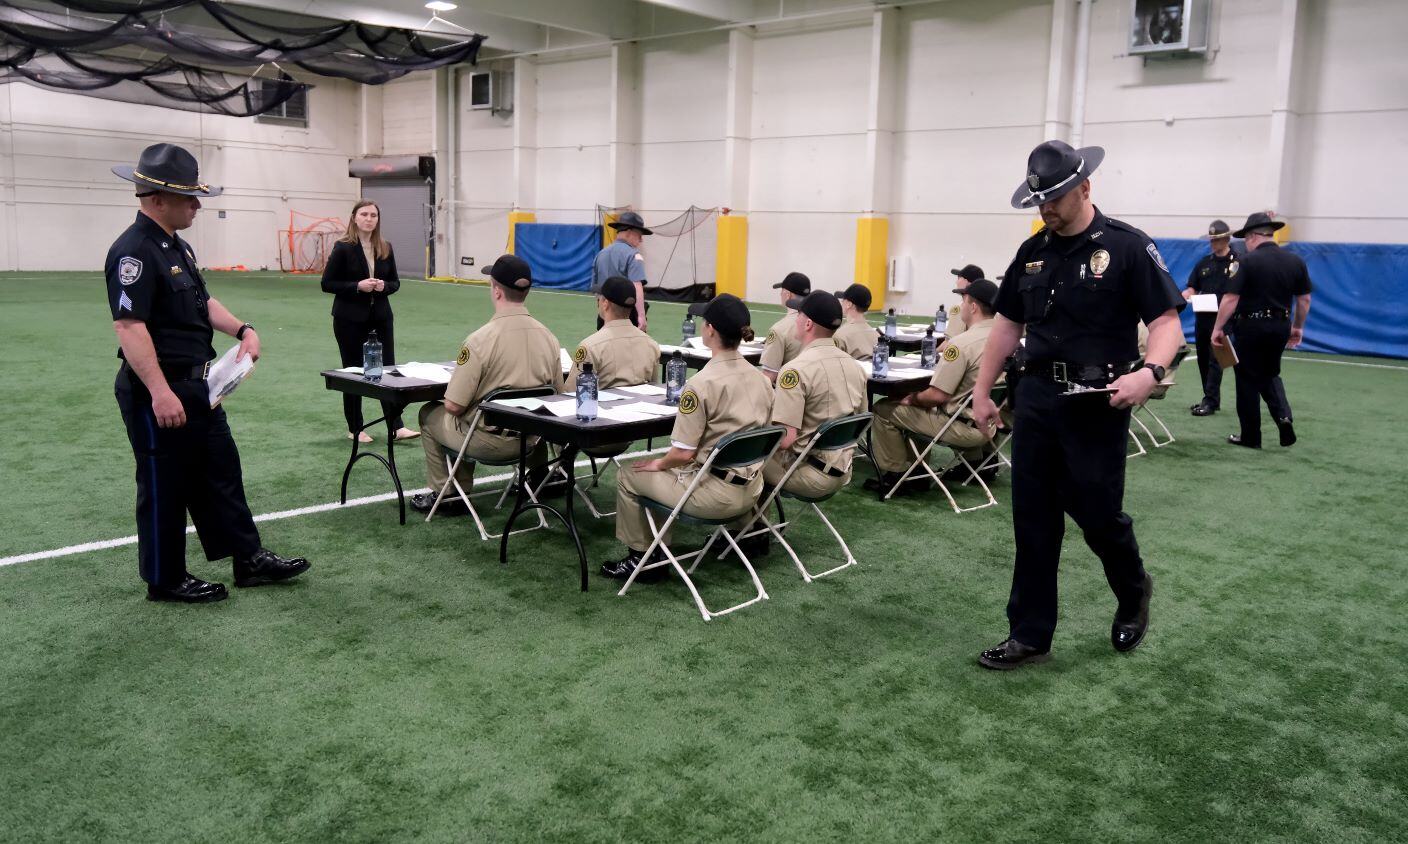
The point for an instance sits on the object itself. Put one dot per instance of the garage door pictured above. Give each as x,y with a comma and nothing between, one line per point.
406,209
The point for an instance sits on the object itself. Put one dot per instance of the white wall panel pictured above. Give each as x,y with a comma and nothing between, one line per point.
682,89
574,102
678,175
820,245
821,173
408,107
811,82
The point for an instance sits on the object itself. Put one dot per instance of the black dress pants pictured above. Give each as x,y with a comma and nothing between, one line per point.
1260,344
1068,456
350,337
192,469
1208,368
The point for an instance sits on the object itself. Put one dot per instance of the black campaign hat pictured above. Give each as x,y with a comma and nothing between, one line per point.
1053,170
795,283
629,220
1217,229
856,294
510,271
820,307
618,291
983,290
167,167
972,272
1259,220
726,312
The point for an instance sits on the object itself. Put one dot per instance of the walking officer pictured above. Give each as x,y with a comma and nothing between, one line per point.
1079,286
622,258
1258,303
1210,276
165,319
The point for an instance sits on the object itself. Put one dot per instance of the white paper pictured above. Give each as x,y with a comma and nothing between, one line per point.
648,408
227,373
617,414
692,351
602,395
865,365
695,343
560,408
523,404
916,327
565,359
906,372
433,372
354,369
643,390
1204,303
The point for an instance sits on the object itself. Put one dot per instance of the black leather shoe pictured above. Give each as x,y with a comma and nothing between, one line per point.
1126,635
883,483
1288,432
754,546
267,567
1011,654
192,590
1203,409
452,506
622,568
1236,439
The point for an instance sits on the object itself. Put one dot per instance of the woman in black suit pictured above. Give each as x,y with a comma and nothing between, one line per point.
361,274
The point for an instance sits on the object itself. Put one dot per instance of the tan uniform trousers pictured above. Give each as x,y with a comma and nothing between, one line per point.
438,428
807,481
891,453
714,498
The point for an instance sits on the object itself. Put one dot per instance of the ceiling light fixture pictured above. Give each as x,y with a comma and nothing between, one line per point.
440,6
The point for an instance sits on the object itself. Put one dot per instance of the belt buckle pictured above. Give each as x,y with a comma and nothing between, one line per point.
205,371
1058,372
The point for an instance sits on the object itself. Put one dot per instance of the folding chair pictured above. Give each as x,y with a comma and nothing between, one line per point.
1160,390
837,434
921,465
582,485
1001,396
741,448
453,459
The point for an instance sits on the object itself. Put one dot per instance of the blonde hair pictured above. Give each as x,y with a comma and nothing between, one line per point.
379,246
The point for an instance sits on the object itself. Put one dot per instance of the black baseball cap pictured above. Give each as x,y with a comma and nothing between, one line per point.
820,307
618,291
510,271
981,289
795,283
972,272
726,312
856,294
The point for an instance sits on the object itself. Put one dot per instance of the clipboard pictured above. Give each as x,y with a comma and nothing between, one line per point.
1226,354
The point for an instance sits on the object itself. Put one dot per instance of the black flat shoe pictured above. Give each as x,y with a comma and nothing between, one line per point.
1126,635
1202,410
192,590
1236,439
267,567
1011,654
1288,432
452,506
622,568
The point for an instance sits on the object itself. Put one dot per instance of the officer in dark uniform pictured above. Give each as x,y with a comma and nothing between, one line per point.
1079,286
186,458
1258,304
1209,276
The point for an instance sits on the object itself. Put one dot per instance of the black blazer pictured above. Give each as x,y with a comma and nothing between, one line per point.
346,266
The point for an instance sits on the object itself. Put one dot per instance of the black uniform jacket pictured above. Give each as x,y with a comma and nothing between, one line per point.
152,277
346,266
1211,273
1270,278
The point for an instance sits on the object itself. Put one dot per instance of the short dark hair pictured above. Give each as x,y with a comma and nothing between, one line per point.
618,311
983,306
512,294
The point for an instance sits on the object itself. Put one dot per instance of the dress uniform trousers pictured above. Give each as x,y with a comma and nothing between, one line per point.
714,498
1208,368
350,337
887,438
807,482
1260,344
195,469
441,432
1068,456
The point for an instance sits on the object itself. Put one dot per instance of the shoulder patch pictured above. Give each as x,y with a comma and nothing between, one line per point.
789,379
639,257
1231,269
954,310
689,402
951,353
463,356
1158,259
580,355
772,335
128,270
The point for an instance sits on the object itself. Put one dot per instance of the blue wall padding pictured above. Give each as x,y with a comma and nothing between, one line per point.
1360,303
560,255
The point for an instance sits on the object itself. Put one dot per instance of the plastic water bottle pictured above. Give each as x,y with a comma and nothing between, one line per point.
586,394
941,322
687,329
371,358
880,358
890,324
675,371
926,348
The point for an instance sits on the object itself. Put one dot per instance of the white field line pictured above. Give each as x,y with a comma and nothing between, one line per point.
104,544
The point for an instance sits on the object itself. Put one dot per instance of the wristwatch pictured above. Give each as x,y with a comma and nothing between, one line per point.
239,335
1157,370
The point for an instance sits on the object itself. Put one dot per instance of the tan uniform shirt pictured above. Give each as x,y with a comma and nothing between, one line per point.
955,325
781,344
820,384
727,395
510,350
856,338
620,354
957,369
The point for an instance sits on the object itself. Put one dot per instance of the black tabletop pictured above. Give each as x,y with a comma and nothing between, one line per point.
568,430
392,388
696,358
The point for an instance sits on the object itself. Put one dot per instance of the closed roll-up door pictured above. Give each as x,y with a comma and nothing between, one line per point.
405,219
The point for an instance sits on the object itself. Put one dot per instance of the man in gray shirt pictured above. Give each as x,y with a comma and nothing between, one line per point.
623,258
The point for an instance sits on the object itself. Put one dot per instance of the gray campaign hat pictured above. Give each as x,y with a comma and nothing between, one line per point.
166,167
1216,229
629,220
1054,169
1259,220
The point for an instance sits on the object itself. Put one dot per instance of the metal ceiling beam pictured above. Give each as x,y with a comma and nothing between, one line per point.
724,11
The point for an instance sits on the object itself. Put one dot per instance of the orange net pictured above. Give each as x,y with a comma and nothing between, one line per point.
305,245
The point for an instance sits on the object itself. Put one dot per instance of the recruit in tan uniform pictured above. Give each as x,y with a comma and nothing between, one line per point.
511,350
925,413
781,344
620,354
855,337
956,323
820,384
727,395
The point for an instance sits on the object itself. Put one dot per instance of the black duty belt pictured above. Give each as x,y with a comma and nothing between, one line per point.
1268,313
181,371
1065,372
729,476
820,465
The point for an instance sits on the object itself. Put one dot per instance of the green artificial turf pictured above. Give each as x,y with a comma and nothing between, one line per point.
409,687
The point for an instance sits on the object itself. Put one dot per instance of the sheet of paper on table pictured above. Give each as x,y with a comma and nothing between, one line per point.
904,372
1204,303
522,404
353,369
433,372
700,352
618,414
648,408
560,408
642,390
565,359
601,395
695,343
865,365
916,327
